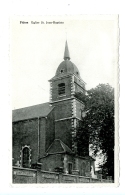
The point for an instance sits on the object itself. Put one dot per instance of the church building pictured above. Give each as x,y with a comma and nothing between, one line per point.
43,135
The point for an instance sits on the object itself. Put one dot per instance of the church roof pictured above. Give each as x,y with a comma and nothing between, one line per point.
40,110
66,52
58,147
66,67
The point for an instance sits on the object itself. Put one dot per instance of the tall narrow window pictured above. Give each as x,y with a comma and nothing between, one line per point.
26,157
70,168
61,88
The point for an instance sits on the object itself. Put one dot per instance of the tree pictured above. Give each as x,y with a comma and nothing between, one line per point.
98,124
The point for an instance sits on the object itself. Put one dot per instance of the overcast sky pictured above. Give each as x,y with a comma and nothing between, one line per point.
38,49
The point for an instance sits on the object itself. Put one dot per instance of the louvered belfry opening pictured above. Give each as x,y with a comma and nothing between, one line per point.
61,88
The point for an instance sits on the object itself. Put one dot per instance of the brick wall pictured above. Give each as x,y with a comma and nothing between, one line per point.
29,133
25,133
79,107
79,82
51,162
55,95
63,109
50,129
42,136
63,132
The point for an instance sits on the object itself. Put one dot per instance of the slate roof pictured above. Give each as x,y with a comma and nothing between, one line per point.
40,110
68,67
58,147
66,52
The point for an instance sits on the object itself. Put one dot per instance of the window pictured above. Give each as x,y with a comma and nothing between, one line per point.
70,168
61,88
25,157
61,70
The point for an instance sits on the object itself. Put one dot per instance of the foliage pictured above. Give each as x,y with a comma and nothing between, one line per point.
98,123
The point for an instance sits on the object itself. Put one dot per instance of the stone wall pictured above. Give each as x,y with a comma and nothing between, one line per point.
21,175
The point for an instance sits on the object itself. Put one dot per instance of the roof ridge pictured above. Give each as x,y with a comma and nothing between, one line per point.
65,145
49,146
62,145
39,110
31,106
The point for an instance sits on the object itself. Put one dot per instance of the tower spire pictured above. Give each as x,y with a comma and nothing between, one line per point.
66,52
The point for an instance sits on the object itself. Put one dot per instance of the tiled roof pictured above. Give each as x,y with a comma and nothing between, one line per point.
39,110
58,147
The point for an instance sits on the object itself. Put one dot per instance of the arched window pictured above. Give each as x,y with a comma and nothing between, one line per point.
26,157
61,88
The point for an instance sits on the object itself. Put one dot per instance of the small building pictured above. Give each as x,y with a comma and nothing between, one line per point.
44,134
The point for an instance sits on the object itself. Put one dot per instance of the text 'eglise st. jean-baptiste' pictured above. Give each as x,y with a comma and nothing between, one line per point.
41,22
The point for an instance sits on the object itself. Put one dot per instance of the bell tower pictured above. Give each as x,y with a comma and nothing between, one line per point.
68,109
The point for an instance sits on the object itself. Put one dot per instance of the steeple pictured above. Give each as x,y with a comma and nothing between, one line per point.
66,52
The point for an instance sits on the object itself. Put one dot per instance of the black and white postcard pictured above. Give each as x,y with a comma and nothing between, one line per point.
65,99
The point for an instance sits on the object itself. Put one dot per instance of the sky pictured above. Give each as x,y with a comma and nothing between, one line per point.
36,50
